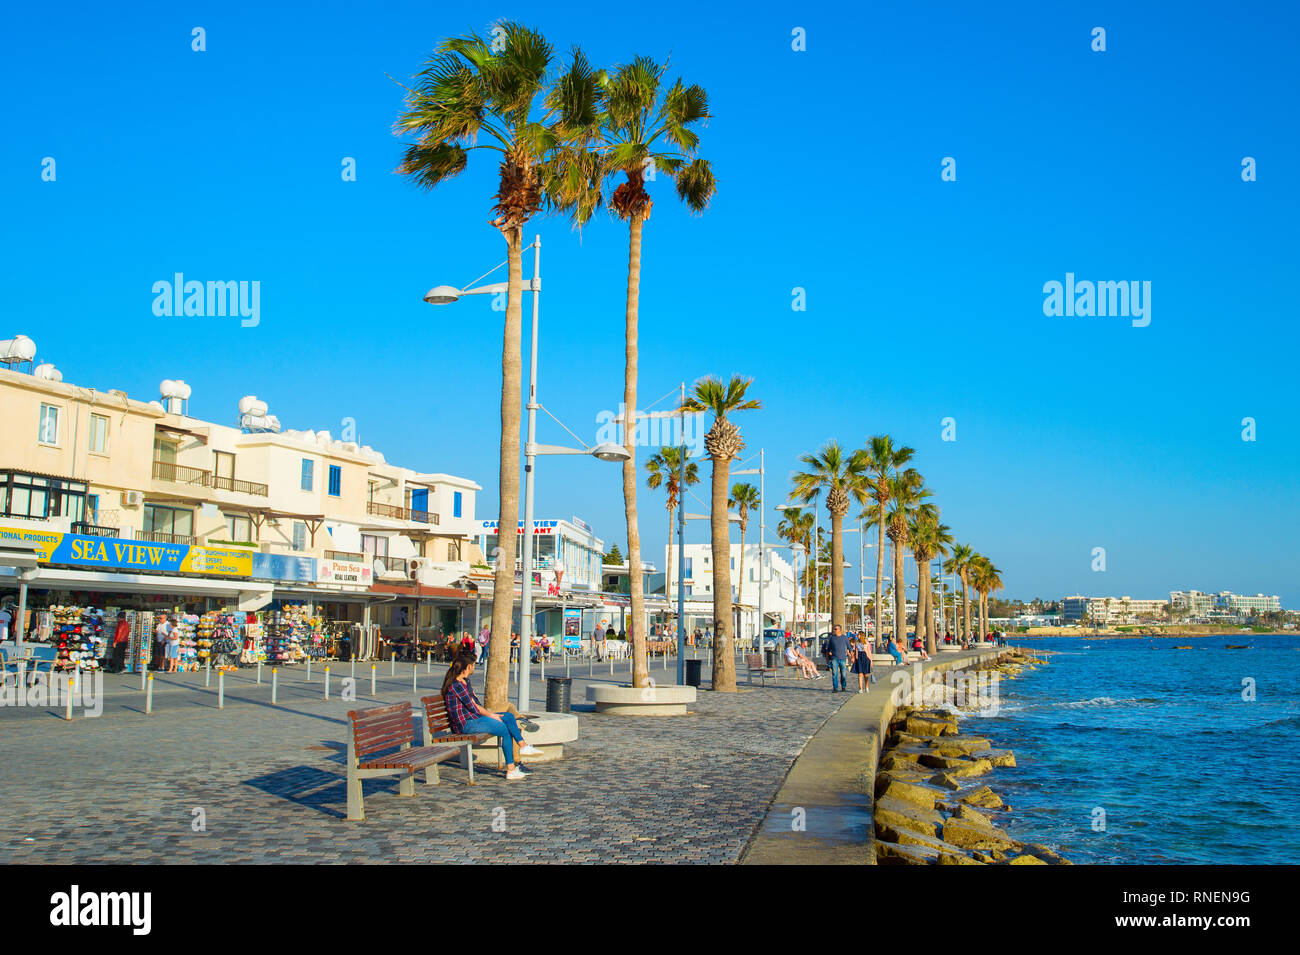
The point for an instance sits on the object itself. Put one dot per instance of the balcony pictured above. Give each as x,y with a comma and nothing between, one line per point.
158,537
196,477
354,556
94,530
378,509
392,566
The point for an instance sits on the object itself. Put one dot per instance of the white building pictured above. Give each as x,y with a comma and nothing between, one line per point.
776,579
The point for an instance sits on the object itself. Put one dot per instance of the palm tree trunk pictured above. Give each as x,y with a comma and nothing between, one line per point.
900,593
668,571
965,606
496,695
931,637
724,667
921,623
880,571
837,571
640,666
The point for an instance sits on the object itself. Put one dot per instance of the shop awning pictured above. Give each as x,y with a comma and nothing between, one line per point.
47,578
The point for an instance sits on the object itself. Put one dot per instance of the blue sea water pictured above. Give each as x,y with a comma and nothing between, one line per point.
1162,741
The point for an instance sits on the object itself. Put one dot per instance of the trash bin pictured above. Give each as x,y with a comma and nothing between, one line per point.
558,690
693,672
769,659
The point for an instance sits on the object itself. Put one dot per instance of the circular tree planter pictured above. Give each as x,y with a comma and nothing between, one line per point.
625,700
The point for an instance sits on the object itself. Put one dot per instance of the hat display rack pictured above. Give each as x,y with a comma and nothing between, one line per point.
78,635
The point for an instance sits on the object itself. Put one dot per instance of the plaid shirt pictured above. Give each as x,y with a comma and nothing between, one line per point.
460,700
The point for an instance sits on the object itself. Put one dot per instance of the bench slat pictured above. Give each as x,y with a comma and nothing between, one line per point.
413,758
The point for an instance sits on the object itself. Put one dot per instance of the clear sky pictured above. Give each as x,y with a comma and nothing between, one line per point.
924,297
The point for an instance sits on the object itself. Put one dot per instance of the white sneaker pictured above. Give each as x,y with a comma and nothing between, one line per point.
516,773
530,750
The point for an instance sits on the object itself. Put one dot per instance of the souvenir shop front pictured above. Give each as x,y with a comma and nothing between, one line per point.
333,625
414,621
76,613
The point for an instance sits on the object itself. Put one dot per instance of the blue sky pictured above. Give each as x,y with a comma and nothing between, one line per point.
924,297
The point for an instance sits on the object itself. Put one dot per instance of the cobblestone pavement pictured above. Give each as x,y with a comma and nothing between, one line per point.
124,787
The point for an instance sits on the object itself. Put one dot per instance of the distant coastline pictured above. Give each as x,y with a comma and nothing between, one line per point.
1137,632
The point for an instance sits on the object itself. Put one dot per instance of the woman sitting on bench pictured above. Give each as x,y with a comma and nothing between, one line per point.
466,715
796,659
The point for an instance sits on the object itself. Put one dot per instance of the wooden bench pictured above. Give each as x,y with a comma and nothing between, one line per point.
437,731
376,731
755,663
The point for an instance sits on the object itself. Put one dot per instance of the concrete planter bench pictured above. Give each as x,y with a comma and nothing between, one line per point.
624,700
553,731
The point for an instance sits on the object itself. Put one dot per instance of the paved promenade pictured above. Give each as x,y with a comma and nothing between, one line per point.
125,787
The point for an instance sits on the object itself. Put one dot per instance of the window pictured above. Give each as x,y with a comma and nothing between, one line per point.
753,574
453,550
336,481
38,497
92,508
99,433
308,473
159,519
455,503
223,464
48,430
733,563
689,561
238,527
374,546
300,533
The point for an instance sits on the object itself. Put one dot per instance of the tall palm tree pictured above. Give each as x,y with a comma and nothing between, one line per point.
844,479
907,495
961,564
986,579
744,498
929,539
723,444
883,462
475,94
796,529
645,126
664,469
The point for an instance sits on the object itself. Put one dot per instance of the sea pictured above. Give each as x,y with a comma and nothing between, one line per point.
1130,751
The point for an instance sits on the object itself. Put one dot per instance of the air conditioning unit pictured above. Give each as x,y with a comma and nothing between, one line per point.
414,568
131,498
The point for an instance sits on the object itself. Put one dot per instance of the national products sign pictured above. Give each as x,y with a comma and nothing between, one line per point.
112,553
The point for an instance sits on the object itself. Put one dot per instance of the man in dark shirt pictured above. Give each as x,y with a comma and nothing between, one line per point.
837,658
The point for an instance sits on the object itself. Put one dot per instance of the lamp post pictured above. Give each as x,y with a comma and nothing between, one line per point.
605,451
761,471
812,560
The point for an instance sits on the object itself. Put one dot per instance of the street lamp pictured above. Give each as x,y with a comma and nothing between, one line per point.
761,471
816,548
605,451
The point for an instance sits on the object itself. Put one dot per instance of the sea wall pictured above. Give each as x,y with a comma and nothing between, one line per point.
823,812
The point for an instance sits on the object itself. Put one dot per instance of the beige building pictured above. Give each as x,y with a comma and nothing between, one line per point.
80,461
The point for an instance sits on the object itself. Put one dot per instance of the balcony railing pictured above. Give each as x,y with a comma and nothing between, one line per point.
94,530
379,509
353,556
158,537
393,565
180,474
243,487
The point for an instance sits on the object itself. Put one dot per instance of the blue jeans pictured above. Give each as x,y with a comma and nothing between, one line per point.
839,673
506,727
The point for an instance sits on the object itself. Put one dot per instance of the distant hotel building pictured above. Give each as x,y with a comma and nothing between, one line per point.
1223,604
1109,610
1198,605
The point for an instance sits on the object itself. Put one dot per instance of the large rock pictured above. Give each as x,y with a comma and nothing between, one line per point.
920,726
958,858
936,761
905,815
983,797
972,767
909,773
944,781
1046,854
1000,757
973,816
969,835
907,837
923,796
959,745
887,853
1026,860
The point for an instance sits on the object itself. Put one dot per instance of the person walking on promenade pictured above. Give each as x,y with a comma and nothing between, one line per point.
466,715
860,663
121,635
837,655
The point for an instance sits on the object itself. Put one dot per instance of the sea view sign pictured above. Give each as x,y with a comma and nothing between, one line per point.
1085,299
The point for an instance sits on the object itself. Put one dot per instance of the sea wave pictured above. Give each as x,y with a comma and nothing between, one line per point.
1107,701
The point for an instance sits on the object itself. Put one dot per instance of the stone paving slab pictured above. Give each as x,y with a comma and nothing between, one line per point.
124,787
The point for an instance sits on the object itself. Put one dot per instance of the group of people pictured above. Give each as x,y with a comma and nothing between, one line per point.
847,652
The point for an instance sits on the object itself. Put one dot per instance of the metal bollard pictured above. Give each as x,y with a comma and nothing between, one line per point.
428,661
393,660
542,657
68,712
415,673
148,695
309,669
259,671
144,669
275,684
327,683
207,673
221,689
566,664
354,668
372,679
611,666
